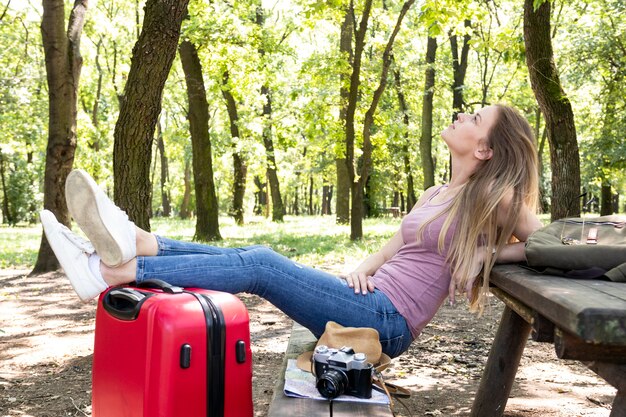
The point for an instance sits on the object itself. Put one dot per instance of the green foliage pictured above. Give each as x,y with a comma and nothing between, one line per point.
22,191
296,54
596,79
23,113
537,4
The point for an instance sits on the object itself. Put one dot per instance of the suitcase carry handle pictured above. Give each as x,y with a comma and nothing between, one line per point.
159,284
124,303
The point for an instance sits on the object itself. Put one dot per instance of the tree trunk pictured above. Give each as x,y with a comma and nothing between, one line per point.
165,194
296,197
343,178
606,200
365,162
7,218
185,211
278,210
426,139
296,203
94,110
327,197
63,66
207,213
311,212
342,202
239,167
260,196
556,108
612,113
459,66
368,199
404,108
140,107
356,216
541,144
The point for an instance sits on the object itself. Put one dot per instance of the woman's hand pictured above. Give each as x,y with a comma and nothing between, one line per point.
360,281
456,283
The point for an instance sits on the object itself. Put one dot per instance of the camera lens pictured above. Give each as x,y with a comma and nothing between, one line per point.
332,383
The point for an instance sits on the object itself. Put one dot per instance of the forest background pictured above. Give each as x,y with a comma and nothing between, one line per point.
208,108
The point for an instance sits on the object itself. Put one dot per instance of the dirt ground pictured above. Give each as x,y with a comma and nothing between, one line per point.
46,346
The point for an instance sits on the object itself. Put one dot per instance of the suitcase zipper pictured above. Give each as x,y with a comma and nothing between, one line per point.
216,340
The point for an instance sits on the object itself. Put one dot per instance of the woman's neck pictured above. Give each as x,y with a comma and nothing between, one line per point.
461,172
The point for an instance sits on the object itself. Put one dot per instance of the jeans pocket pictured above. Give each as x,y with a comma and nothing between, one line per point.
394,346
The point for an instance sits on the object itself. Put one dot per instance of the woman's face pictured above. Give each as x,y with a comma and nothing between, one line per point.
468,133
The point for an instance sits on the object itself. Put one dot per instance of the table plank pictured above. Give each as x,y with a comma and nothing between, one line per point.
586,309
613,289
301,340
343,409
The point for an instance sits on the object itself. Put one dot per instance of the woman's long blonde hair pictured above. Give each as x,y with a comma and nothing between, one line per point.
511,170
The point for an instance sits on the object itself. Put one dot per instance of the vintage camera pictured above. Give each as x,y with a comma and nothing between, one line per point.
341,371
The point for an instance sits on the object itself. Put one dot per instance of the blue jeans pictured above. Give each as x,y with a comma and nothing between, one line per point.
309,296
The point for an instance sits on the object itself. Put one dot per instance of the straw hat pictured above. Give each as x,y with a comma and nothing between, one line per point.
361,339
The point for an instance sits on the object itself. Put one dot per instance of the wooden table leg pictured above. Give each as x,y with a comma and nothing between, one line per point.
619,405
499,374
614,374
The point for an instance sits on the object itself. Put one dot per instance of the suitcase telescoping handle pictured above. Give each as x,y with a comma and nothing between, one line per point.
159,284
124,303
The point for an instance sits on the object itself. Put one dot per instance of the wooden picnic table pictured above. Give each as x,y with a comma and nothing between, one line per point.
584,319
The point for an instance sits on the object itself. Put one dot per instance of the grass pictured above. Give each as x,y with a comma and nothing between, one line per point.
311,240
19,246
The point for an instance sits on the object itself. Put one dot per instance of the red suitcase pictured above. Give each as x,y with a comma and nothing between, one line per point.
170,352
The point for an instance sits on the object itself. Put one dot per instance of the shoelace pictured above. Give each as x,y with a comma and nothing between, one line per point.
79,242
111,206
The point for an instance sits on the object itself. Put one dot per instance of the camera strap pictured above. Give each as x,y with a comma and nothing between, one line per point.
393,391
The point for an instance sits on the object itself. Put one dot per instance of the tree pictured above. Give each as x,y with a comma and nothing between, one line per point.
364,164
556,108
152,59
343,177
599,67
356,231
165,194
459,67
207,220
240,168
427,115
278,209
63,66
404,108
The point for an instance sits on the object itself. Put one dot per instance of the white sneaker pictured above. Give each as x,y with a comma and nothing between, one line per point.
73,252
105,224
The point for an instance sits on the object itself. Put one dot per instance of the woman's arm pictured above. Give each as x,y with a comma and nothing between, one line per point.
527,223
359,279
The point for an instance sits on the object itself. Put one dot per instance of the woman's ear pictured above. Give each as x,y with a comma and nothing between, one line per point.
483,152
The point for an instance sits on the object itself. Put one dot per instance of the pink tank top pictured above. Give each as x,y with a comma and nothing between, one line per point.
416,278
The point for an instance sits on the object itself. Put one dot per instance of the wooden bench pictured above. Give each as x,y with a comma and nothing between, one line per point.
584,319
302,340
392,211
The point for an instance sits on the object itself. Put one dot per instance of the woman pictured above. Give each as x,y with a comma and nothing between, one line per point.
453,232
